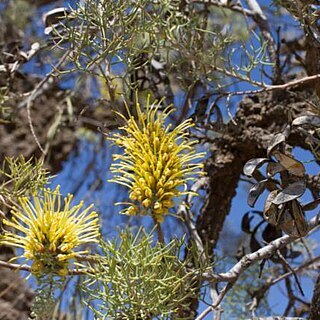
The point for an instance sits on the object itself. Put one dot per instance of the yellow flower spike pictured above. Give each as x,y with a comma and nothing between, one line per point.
157,161
63,272
132,211
50,230
146,203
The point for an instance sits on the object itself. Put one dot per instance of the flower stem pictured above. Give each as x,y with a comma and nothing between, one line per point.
159,231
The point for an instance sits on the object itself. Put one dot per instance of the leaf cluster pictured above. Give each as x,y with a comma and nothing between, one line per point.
134,34
282,207
44,303
139,279
21,177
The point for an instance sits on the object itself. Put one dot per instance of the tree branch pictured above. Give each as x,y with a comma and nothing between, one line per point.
225,5
262,22
248,260
264,253
71,272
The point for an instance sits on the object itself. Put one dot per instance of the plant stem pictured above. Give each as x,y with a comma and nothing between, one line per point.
159,231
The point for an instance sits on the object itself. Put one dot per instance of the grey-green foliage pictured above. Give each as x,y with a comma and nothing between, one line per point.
162,46
45,303
187,38
21,177
139,279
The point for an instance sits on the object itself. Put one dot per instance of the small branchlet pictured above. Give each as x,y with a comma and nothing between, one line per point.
20,177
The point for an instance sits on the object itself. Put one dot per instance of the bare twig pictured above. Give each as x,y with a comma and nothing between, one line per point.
269,88
308,264
25,267
263,253
288,267
216,304
184,212
262,22
33,95
225,5
256,295
14,266
264,87
214,295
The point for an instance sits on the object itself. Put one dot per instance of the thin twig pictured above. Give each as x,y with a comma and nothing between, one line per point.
33,95
269,88
264,253
298,269
287,265
15,266
25,267
159,231
271,281
215,305
233,7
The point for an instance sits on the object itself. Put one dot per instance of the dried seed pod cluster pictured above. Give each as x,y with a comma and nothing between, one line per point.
282,207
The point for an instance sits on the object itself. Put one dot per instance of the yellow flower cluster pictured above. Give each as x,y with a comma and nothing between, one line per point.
156,162
51,230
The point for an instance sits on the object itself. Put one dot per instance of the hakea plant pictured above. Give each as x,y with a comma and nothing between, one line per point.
136,278
157,160
49,230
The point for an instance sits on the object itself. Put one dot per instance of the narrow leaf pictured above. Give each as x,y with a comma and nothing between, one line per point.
245,223
311,205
